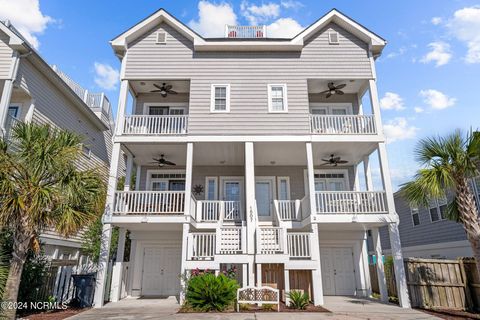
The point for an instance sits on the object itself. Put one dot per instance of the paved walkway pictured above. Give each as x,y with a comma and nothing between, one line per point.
341,308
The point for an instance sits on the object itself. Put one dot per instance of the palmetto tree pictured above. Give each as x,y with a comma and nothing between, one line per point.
449,163
41,187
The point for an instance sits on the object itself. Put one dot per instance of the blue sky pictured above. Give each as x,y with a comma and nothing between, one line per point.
428,75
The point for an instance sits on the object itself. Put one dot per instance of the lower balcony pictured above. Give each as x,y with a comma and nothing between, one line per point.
277,241
149,203
217,210
224,241
155,125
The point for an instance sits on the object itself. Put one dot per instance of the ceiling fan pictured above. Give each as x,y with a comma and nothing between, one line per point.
334,89
162,161
164,89
334,161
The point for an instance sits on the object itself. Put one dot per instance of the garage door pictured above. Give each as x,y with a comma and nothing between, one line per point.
338,275
161,267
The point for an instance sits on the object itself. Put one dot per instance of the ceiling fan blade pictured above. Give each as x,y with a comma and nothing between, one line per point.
168,87
342,161
325,164
323,92
335,159
172,92
328,95
156,159
326,160
169,163
341,86
153,162
156,91
340,92
157,86
331,86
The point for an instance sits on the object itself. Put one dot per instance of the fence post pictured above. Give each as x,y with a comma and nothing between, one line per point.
468,296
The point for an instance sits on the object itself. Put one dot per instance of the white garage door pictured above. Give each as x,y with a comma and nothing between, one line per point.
161,267
338,276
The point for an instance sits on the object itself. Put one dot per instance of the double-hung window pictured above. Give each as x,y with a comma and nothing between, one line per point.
220,98
415,215
277,98
438,209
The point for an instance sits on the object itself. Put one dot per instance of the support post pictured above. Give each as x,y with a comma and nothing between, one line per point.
382,283
128,172
7,90
117,273
259,274
372,89
107,228
122,105
244,275
251,212
387,183
366,267
368,173
188,178
251,274
286,280
311,178
137,177
183,270
317,272
398,265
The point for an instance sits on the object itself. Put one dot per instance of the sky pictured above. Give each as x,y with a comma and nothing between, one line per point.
428,74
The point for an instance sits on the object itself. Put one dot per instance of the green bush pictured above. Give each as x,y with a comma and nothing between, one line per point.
268,307
207,292
298,299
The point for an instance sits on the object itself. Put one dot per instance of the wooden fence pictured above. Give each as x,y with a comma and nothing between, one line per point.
436,283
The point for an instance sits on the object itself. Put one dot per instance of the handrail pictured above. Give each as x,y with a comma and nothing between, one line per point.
149,203
342,124
353,202
299,245
251,32
155,125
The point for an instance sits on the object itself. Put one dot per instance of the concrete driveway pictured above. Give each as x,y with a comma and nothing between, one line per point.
340,307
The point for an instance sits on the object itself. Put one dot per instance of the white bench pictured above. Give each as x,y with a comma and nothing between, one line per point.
258,295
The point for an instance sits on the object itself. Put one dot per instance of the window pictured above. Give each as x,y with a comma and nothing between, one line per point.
14,111
277,98
211,191
86,150
161,37
220,98
438,209
333,37
415,216
283,188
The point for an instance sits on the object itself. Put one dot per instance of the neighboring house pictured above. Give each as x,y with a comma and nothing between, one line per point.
227,137
426,233
33,91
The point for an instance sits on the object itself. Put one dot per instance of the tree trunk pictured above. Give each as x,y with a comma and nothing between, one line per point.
19,255
469,216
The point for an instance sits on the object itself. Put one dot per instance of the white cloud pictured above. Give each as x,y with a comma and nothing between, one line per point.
440,53
436,99
436,20
291,4
26,16
391,101
284,28
106,77
465,26
397,53
399,129
212,19
418,109
259,14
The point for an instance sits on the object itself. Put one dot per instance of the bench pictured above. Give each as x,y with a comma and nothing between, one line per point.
258,295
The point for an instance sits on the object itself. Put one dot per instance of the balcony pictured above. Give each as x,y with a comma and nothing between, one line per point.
246,32
276,240
225,241
155,125
342,124
351,202
149,203
292,210
217,210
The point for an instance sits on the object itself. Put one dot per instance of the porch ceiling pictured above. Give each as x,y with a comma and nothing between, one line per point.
145,86
353,152
319,85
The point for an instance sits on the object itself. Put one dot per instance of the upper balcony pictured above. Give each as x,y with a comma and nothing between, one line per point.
245,32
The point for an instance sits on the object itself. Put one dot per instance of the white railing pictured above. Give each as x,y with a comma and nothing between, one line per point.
288,210
231,240
342,124
202,245
298,245
249,32
10,123
270,240
351,202
147,124
149,202
215,210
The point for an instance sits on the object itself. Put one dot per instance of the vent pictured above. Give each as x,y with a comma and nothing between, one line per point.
333,37
161,37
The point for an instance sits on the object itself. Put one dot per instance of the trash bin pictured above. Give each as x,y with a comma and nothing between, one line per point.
84,289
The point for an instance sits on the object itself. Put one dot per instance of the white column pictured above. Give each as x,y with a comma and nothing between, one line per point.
128,172
251,274
30,112
244,275
366,266
317,273
117,272
7,90
398,265
311,178
188,178
122,106
137,177
372,89
286,279
357,180
382,284
122,233
107,228
251,213
385,173
368,173
183,270
259,274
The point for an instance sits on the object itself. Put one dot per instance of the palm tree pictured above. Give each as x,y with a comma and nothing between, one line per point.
41,187
449,163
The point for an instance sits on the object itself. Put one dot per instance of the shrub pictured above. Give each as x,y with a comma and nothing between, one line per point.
268,307
244,306
298,299
207,292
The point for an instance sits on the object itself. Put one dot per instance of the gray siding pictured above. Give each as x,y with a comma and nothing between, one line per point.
5,56
53,107
248,74
426,232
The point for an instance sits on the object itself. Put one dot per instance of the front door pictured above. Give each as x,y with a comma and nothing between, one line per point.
264,198
338,275
160,271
